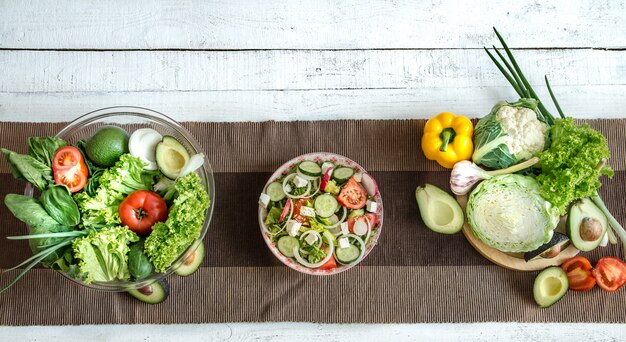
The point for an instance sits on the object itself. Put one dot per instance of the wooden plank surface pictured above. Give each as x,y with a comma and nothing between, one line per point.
304,24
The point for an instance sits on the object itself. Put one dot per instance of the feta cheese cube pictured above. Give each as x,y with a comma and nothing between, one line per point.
264,200
371,206
343,242
310,239
307,211
287,188
293,227
326,166
299,182
344,228
358,177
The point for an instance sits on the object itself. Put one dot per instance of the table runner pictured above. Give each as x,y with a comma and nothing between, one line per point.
412,275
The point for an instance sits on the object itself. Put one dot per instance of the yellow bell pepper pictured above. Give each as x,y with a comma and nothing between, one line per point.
447,139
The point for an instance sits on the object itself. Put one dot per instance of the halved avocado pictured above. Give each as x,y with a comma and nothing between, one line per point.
550,286
549,250
154,293
440,211
586,225
171,157
192,262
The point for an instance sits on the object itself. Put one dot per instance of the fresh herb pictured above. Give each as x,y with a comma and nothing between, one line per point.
58,202
43,148
29,168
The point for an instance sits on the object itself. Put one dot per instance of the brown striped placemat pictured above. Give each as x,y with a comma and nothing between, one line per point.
413,274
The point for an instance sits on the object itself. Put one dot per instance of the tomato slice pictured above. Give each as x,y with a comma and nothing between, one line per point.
576,262
610,273
330,264
580,280
69,168
352,195
296,210
372,218
140,210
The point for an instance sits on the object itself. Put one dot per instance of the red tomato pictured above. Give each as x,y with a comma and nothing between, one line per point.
352,195
141,210
331,263
373,219
69,168
578,270
296,210
610,273
576,262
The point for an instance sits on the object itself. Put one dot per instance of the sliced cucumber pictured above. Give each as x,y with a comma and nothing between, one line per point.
192,262
275,191
310,168
342,174
356,213
154,293
286,244
326,205
347,255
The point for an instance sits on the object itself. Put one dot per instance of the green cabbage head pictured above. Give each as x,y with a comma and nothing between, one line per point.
508,213
510,134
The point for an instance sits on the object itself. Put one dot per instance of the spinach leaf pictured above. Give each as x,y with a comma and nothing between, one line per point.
60,205
43,148
30,211
139,266
29,169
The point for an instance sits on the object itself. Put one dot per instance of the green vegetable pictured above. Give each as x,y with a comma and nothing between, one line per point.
508,213
43,148
139,265
510,134
125,177
95,171
550,286
569,168
440,212
103,254
184,223
58,202
29,168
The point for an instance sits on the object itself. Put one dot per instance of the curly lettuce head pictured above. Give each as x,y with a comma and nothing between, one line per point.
510,134
508,213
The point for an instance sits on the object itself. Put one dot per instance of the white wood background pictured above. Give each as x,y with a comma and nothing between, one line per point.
234,60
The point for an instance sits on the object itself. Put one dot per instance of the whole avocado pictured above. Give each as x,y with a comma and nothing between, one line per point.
107,146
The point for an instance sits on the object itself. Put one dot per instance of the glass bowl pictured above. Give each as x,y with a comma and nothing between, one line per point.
286,169
131,118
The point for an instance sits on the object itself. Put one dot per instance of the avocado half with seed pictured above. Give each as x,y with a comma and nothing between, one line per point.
154,293
586,225
192,262
439,210
171,157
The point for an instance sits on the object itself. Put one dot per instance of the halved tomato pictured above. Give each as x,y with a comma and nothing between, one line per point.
69,168
352,195
610,273
578,270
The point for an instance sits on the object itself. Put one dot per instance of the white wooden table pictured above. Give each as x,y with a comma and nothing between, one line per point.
236,60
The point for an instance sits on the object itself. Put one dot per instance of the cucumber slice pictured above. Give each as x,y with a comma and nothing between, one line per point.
286,244
154,293
192,262
326,205
347,255
342,174
275,191
310,168
356,213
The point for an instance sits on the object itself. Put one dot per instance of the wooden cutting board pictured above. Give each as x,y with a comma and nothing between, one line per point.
513,261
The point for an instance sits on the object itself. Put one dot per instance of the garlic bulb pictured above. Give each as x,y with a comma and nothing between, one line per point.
466,174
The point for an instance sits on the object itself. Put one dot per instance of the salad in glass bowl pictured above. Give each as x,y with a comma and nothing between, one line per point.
117,201
320,213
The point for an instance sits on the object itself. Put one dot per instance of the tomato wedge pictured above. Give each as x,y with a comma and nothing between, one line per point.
330,264
578,270
141,210
296,210
352,195
610,273
69,168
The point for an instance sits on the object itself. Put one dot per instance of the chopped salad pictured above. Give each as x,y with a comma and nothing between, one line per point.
113,207
321,213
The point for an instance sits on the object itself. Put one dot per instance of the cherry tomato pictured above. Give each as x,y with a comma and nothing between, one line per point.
69,168
352,195
141,210
610,273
